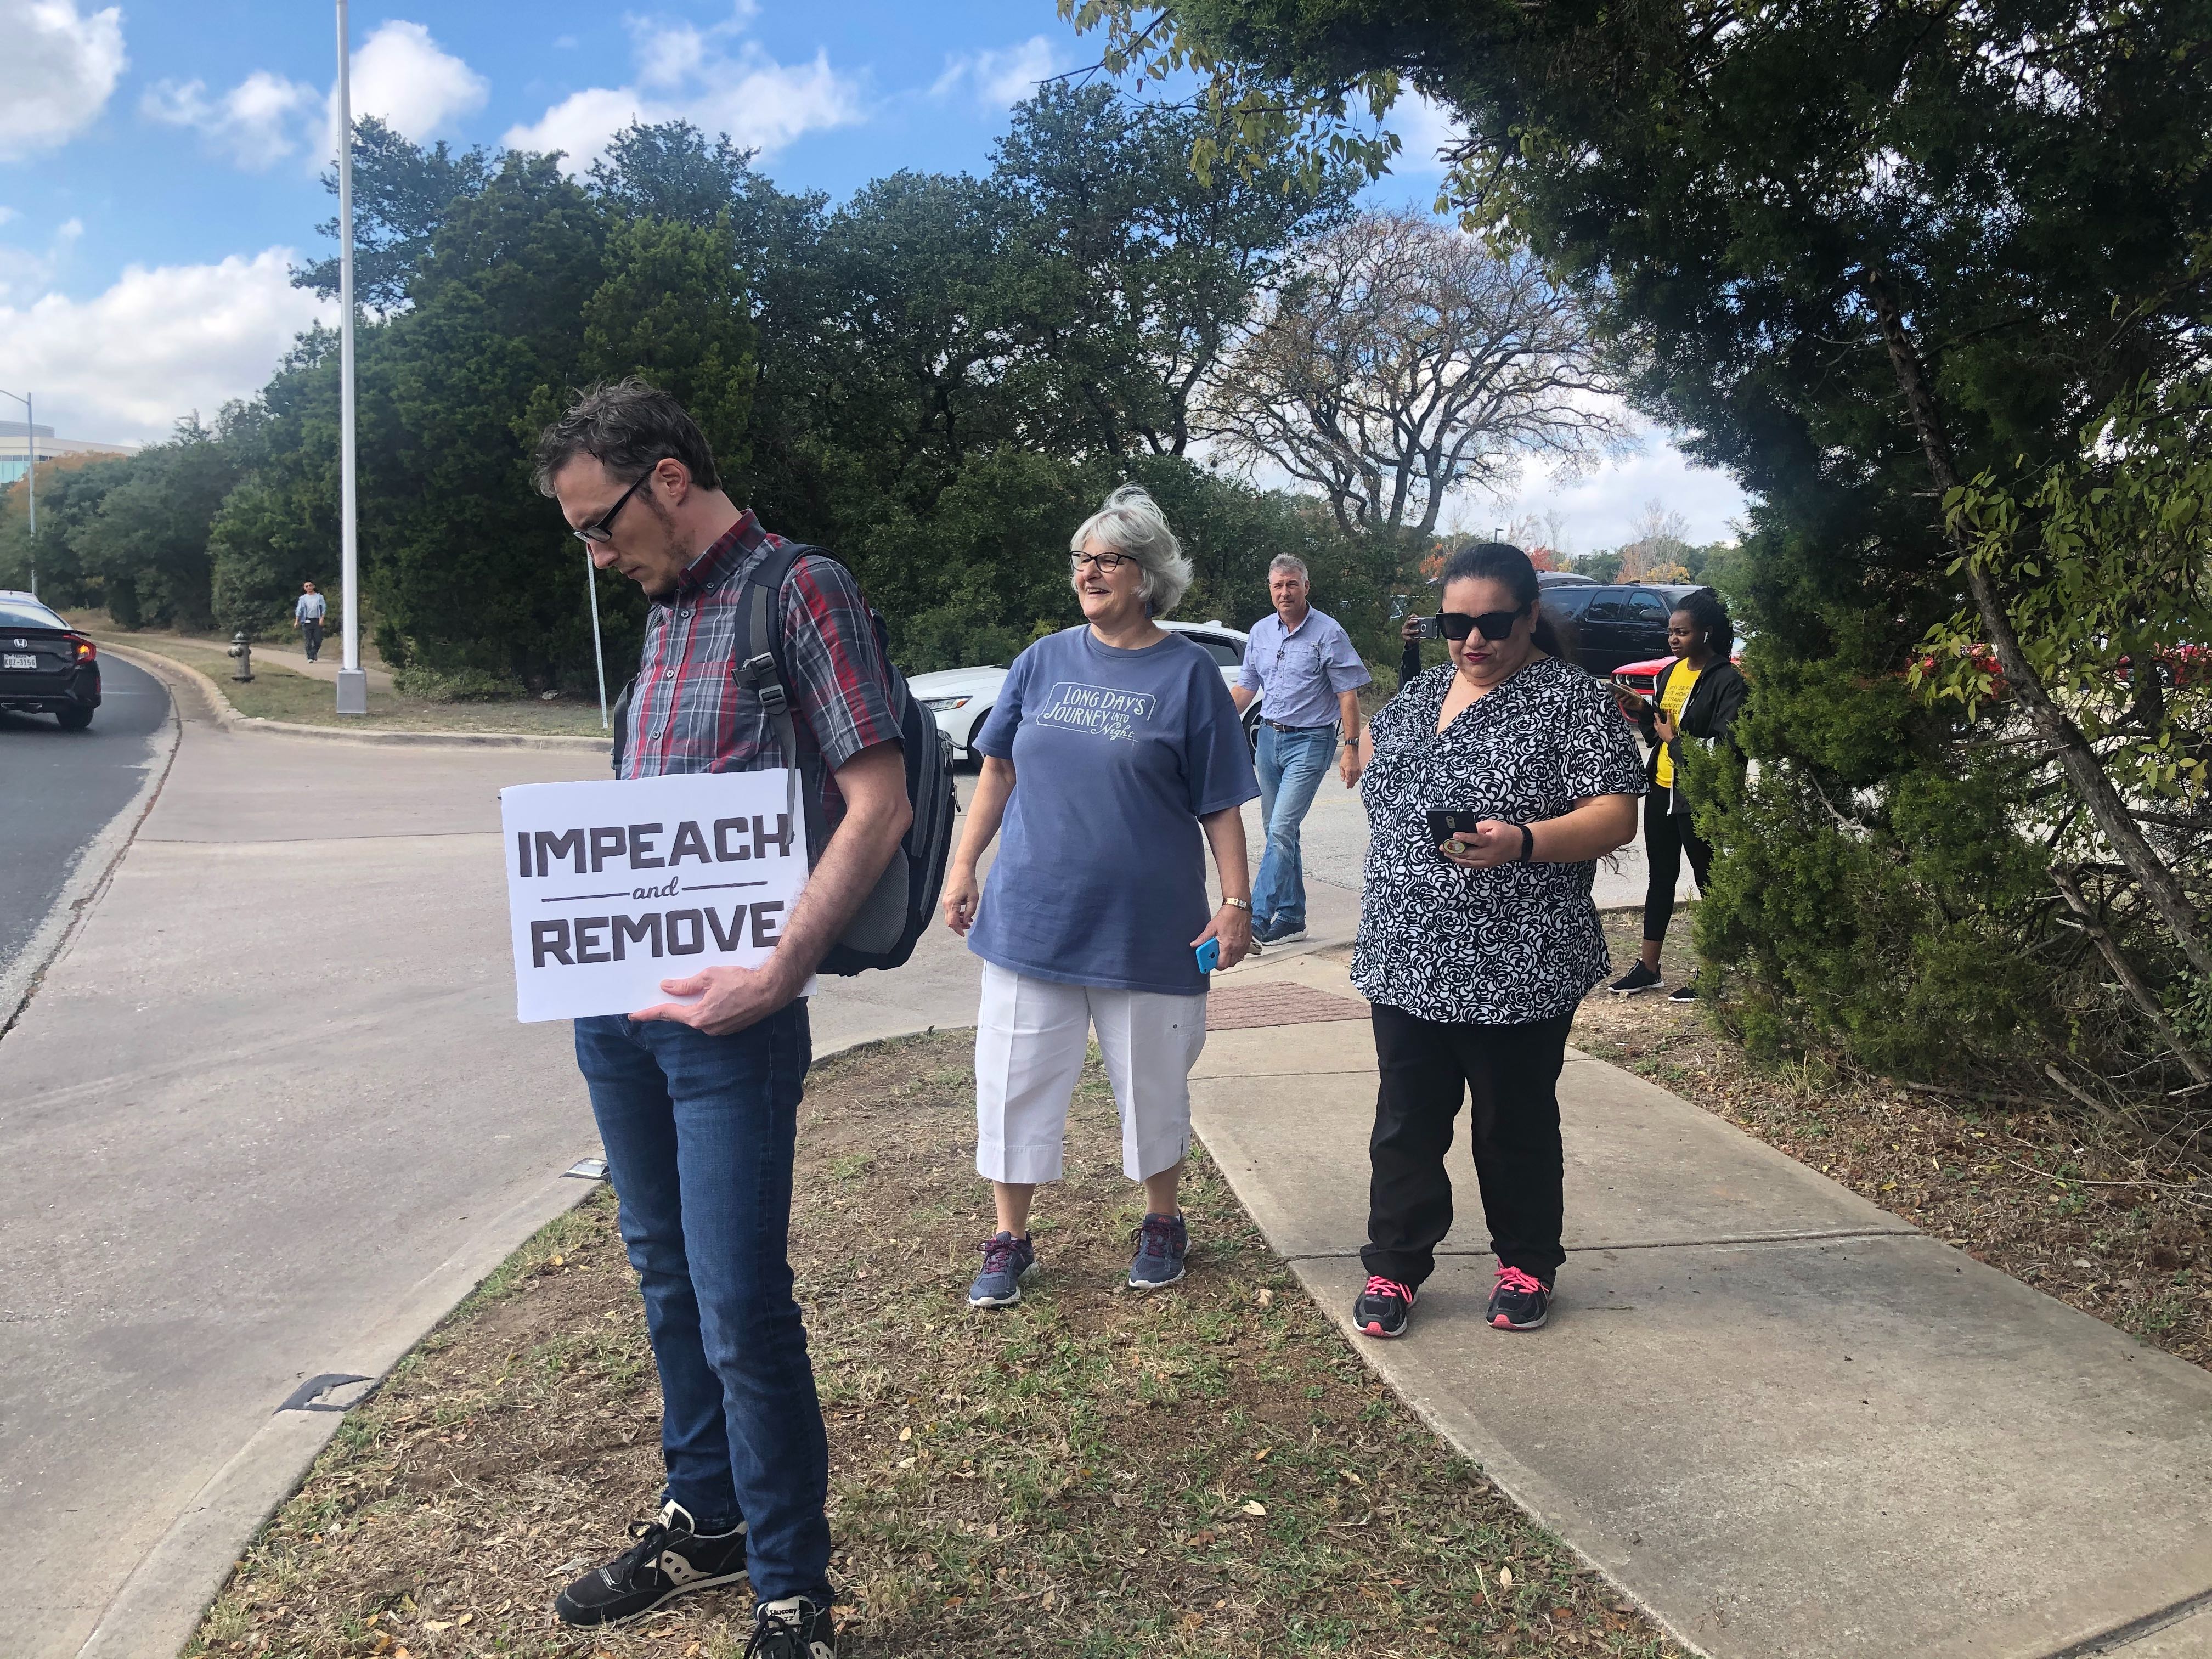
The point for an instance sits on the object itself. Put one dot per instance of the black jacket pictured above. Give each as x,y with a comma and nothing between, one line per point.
1712,709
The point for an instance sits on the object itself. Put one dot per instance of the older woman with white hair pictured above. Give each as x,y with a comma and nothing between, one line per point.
1113,757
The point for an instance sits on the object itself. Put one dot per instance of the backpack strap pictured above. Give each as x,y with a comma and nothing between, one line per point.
759,667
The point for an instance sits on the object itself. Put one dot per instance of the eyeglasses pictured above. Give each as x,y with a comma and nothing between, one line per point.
600,531
1491,624
1107,564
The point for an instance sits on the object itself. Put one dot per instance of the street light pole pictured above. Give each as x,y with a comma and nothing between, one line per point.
31,477
353,683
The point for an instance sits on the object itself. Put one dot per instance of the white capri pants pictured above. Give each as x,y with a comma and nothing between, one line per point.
1031,1035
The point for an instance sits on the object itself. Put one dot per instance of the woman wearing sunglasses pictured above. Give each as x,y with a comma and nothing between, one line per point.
1495,783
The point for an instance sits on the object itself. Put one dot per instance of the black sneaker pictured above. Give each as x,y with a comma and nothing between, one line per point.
668,1560
1639,978
1283,932
793,1628
1685,992
1383,1307
1522,1302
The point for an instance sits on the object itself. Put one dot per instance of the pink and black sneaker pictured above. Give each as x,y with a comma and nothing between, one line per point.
1383,1307
1520,1302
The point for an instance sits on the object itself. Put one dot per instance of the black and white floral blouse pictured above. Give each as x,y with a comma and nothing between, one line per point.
1491,947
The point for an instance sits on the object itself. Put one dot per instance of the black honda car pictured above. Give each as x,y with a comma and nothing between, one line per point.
46,667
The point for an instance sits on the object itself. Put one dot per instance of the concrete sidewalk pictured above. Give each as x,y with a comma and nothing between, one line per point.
1783,1419
269,1117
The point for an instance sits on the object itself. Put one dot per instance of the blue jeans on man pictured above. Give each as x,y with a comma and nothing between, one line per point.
1291,765
699,1132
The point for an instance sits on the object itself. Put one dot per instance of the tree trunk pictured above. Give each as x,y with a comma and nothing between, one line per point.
2076,757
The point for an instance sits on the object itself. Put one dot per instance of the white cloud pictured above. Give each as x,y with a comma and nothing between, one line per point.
1598,508
684,72
400,73
1001,77
25,273
124,366
57,70
256,124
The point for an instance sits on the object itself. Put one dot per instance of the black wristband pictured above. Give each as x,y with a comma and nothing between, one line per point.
1528,844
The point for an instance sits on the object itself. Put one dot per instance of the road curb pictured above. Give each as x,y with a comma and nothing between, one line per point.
94,865
159,1605
225,717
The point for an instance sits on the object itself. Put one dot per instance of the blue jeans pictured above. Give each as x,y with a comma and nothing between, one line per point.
1292,766
698,1132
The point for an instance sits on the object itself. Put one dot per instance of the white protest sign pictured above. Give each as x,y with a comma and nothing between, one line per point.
613,887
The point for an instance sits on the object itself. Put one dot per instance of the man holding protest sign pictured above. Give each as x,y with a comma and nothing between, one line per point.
696,1098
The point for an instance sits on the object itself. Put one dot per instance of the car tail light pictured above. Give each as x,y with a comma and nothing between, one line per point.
82,648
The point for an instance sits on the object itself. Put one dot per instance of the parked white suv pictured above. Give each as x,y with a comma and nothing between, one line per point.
961,697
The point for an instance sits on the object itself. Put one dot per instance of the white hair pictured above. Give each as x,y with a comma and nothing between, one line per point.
1131,524
1289,561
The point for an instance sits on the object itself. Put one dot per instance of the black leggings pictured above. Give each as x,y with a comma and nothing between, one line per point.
1667,836
1509,1075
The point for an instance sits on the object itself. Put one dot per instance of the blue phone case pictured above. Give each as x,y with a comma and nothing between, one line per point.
1209,955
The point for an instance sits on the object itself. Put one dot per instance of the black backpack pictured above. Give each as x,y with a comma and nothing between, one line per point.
883,931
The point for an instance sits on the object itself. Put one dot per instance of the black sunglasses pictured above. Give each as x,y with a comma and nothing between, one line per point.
600,531
1491,624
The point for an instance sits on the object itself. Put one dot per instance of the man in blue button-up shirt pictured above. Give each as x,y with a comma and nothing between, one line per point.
1303,668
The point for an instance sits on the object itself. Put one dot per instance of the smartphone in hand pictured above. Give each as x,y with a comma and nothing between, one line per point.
1432,627
1209,955
1453,823
1628,694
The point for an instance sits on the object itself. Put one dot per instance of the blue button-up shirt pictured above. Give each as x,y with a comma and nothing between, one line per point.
1300,673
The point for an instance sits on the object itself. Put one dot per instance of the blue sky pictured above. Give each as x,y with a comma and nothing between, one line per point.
159,166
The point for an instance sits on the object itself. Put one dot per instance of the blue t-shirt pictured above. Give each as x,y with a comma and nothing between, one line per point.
1101,873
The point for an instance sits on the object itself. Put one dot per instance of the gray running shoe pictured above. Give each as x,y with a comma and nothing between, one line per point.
1006,1259
1160,1252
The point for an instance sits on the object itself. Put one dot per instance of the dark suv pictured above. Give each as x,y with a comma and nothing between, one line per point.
46,667
1624,623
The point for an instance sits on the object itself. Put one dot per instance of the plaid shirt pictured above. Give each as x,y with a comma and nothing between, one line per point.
688,713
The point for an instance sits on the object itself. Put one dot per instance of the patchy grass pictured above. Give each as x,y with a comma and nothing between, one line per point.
2099,1217
1204,1471
278,693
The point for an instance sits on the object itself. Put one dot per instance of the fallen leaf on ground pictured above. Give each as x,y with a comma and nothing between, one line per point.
1253,1507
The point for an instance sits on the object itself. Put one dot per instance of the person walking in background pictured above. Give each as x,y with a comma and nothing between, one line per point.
1302,666
1115,756
697,1102
1698,696
1476,945
307,613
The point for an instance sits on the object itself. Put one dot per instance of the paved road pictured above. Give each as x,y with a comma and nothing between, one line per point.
61,789
280,1114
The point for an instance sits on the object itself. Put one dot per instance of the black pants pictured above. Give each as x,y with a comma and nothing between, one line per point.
1513,1129
311,633
1667,836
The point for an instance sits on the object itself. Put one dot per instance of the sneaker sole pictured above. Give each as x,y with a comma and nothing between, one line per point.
1502,1323
996,1301
666,1596
1638,990
1371,1329
1156,1283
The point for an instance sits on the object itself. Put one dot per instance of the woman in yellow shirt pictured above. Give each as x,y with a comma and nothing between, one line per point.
1698,694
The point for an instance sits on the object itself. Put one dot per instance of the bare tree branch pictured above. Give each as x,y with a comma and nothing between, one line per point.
1402,360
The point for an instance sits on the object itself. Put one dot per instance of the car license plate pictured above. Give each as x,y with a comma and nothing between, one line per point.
11,660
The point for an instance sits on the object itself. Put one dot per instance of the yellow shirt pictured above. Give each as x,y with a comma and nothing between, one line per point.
1680,684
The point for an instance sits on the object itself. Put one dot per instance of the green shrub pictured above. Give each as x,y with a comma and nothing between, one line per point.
455,684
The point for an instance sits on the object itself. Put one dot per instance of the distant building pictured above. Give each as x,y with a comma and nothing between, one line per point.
17,441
